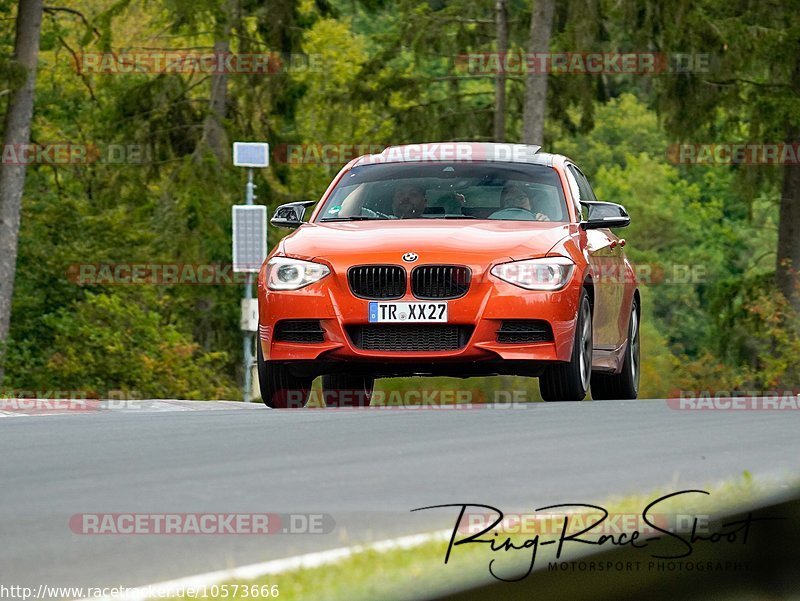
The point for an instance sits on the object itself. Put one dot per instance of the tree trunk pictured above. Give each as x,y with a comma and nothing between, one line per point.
501,20
12,177
788,262
536,84
788,265
214,135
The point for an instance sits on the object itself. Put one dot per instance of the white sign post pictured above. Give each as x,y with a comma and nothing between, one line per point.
249,246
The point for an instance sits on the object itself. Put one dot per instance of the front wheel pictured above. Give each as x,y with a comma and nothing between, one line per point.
570,381
280,389
625,384
344,390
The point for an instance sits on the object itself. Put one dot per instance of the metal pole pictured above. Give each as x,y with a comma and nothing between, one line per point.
250,187
248,345
248,294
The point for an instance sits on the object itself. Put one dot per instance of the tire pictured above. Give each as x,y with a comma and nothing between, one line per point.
624,385
342,390
280,389
570,381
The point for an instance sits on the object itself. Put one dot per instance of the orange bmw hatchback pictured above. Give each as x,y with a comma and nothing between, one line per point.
451,259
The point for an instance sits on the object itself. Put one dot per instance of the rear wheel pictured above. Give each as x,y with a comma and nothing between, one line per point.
280,389
624,385
570,381
344,390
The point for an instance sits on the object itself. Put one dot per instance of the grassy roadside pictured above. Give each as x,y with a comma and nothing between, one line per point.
409,572
439,391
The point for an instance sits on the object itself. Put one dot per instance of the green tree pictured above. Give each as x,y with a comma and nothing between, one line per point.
751,92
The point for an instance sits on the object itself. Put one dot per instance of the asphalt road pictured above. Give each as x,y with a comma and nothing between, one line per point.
365,469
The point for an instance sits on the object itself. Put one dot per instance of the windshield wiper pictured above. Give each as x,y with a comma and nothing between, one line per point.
354,218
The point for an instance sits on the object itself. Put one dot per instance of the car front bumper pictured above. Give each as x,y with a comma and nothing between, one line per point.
482,310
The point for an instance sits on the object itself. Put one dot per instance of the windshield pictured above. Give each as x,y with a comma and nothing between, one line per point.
498,191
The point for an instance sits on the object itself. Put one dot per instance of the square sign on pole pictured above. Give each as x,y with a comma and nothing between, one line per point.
249,319
249,237
251,154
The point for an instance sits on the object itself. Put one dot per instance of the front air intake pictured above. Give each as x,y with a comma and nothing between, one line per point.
521,331
409,337
299,330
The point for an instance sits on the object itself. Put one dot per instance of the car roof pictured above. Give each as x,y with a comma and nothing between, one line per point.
460,152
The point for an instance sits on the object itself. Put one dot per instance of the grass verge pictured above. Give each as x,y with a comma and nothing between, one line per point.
408,573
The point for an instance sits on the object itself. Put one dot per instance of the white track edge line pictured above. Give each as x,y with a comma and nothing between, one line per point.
316,559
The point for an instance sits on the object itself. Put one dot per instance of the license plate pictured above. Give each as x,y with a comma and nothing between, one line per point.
407,312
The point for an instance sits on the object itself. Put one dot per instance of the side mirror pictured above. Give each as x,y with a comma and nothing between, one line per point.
604,214
291,214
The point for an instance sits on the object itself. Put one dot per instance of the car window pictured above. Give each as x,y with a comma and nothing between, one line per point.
498,191
573,188
584,189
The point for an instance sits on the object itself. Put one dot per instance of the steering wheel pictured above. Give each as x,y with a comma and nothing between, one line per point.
514,214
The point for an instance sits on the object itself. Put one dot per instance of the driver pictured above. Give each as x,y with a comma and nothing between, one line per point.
408,202
515,196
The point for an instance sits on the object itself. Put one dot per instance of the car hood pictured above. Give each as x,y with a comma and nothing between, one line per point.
434,241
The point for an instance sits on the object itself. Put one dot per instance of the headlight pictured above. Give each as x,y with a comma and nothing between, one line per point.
284,273
547,273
